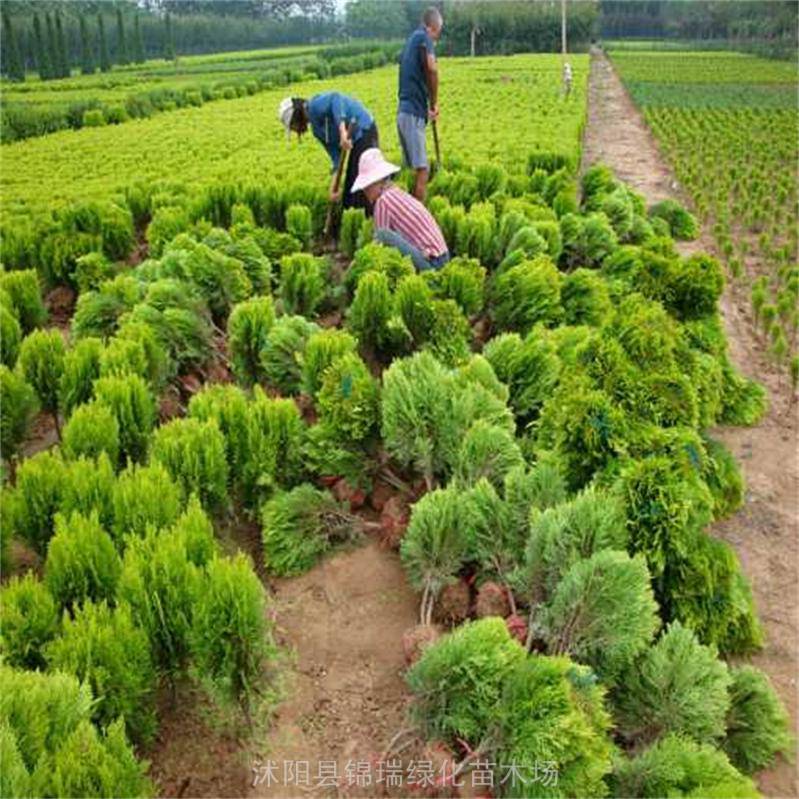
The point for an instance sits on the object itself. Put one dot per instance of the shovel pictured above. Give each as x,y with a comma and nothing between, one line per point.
342,163
437,165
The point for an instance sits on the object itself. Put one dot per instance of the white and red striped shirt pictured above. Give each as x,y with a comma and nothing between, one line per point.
401,212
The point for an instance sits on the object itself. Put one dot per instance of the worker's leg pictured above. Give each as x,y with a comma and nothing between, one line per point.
393,239
368,139
413,137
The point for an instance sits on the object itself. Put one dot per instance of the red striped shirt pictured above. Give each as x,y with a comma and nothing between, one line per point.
401,212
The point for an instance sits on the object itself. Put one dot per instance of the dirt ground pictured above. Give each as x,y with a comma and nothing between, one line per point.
765,531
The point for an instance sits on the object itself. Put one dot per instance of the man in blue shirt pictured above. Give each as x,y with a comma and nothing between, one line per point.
418,95
329,115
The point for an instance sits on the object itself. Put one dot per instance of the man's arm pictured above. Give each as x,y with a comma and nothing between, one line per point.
431,73
339,120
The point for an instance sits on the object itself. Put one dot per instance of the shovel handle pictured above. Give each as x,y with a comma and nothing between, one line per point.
337,182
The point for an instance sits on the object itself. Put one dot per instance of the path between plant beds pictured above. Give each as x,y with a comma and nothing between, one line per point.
346,696
765,531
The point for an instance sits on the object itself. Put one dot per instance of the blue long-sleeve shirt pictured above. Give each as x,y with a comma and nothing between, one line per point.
327,110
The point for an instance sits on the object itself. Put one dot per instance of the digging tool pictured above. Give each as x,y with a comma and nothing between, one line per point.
437,164
342,163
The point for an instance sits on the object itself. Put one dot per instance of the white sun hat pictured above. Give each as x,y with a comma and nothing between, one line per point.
284,113
371,168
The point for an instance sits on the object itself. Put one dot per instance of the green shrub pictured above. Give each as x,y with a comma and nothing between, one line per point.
93,118
18,404
552,711
131,402
97,312
137,348
299,223
758,726
543,486
123,356
91,270
352,220
284,350
28,620
450,337
25,296
82,562
414,304
322,349
81,369
677,686
144,496
587,240
91,429
695,287
682,225
104,648
461,280
38,491
303,283
376,257
526,295
248,331
529,367
41,363
57,751
89,488
231,639
245,249
585,297
299,526
193,453
166,223
372,308
486,451
161,584
275,440
459,681
15,780
724,479
603,612
677,766
743,401
435,545
10,337
348,399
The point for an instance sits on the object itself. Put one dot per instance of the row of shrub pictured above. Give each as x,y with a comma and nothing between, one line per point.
20,120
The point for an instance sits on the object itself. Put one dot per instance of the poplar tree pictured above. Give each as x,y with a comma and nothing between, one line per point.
40,47
61,48
169,45
105,61
14,65
122,50
86,55
51,47
138,42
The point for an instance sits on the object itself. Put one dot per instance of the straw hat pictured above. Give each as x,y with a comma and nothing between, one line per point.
371,168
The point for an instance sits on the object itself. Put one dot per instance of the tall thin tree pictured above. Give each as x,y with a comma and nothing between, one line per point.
61,47
105,60
169,44
86,55
122,48
138,42
40,47
13,64
52,48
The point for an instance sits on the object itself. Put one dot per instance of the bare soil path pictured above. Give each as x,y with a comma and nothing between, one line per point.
346,697
766,530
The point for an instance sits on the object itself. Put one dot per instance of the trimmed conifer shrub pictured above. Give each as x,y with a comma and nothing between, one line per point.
18,404
352,220
89,488
25,297
193,453
459,680
677,686
682,224
322,348
527,294
131,402
552,711
144,496
414,304
91,270
461,280
82,562
758,726
603,612
371,309
587,240
248,329
41,363
303,283
230,639
585,297
299,526
349,399
97,312
10,336
37,496
104,648
488,452
743,401
678,766
723,477
91,430
375,257
29,618
283,354
299,223
435,545
123,356
450,337
81,369
161,584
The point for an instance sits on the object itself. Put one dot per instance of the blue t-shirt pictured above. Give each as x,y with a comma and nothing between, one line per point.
413,98
327,110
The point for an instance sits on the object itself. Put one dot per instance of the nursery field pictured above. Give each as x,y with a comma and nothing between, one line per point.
729,125
202,401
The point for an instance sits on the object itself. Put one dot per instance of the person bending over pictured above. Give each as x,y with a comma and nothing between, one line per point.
400,220
329,115
418,95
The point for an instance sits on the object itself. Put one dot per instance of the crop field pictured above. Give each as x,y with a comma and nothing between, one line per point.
728,123
203,399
